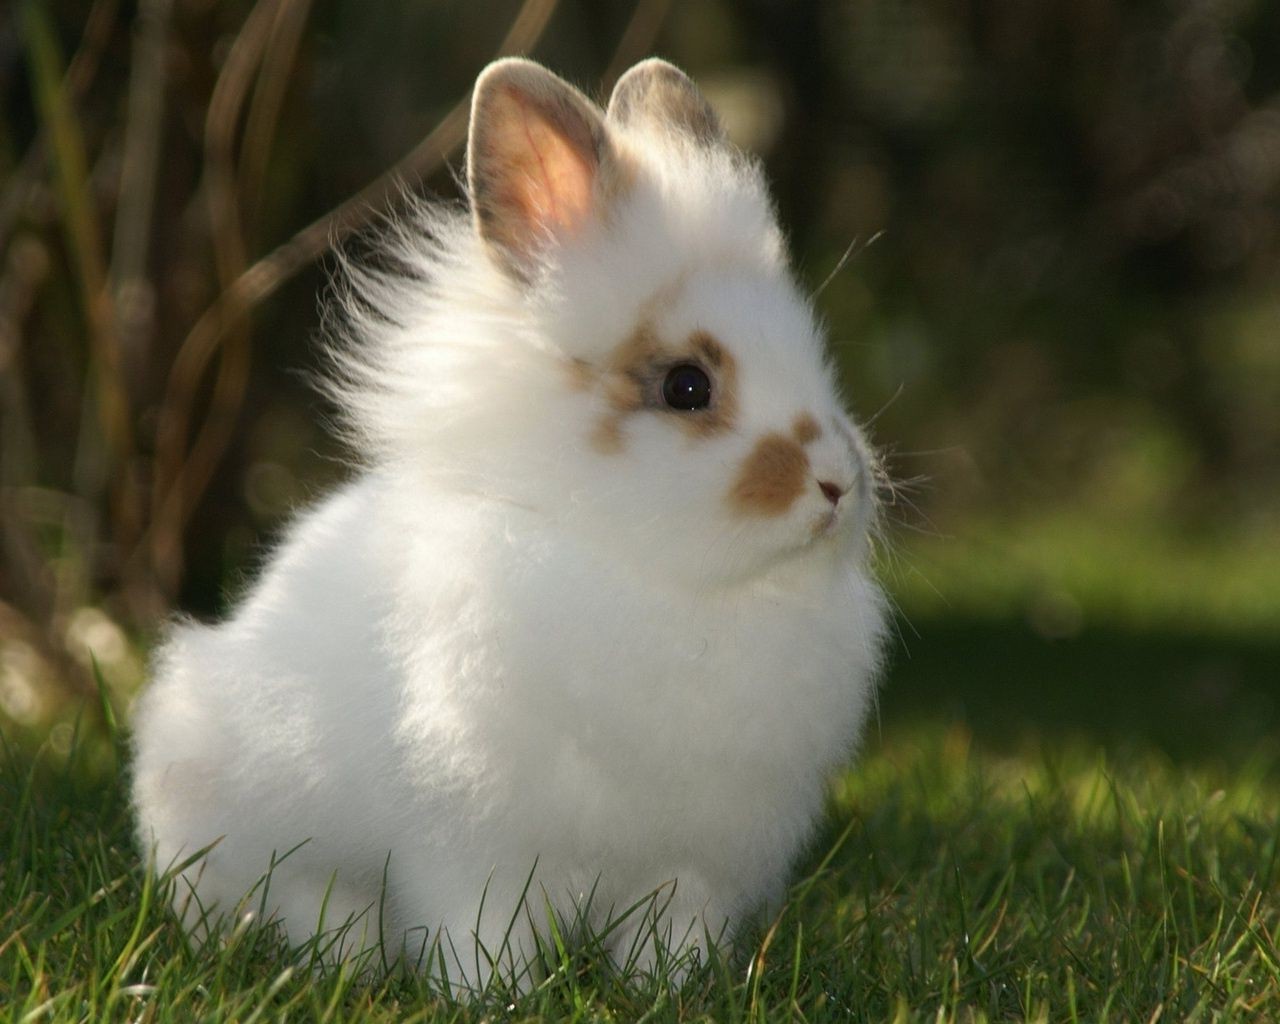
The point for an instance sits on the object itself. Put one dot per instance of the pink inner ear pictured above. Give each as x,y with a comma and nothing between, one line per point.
549,179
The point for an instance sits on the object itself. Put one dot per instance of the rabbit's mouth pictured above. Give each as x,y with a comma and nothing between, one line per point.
844,522
825,527
827,523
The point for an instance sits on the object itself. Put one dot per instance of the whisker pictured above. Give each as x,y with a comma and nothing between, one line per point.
870,422
924,531
921,452
848,254
929,527
910,484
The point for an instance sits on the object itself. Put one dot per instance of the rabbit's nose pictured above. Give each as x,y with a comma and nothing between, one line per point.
832,492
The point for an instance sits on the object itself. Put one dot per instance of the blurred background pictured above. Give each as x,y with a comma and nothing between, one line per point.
1047,237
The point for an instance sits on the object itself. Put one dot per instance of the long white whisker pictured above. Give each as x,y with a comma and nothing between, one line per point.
848,254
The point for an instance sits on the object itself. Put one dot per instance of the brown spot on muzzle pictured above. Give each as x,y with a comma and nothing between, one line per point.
771,477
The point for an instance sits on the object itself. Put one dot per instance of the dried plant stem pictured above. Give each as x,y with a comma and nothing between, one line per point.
84,242
274,74
130,281
59,139
218,185
24,571
81,71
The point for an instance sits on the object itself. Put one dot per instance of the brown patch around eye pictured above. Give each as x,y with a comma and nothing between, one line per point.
630,361
708,349
771,477
630,381
607,436
806,429
721,415
622,382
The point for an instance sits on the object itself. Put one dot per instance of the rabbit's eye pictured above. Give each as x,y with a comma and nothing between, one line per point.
686,387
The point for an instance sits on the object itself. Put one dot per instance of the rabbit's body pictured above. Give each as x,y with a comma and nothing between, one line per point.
598,606
498,722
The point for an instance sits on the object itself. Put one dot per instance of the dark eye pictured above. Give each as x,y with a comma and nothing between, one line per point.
687,387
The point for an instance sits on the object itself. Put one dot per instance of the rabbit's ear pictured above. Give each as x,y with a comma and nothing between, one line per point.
661,93
536,152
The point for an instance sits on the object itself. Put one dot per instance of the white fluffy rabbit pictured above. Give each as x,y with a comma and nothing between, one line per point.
595,621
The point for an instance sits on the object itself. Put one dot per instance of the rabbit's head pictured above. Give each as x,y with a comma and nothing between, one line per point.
614,340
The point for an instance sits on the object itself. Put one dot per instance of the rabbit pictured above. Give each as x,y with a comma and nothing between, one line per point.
595,619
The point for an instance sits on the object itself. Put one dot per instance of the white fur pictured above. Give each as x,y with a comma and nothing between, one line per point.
500,647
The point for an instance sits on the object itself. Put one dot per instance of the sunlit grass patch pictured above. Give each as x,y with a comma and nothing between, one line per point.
1066,572
952,883
1055,884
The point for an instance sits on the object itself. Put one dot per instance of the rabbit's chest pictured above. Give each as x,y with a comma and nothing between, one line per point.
689,722
554,670
646,681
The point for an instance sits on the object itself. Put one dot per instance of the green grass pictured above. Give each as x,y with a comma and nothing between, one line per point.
1067,809
1074,569
959,884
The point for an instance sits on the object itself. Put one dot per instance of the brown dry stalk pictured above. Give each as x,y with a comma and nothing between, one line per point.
81,228
81,71
218,183
274,75
131,242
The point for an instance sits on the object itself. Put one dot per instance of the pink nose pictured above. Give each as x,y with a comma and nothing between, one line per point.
832,492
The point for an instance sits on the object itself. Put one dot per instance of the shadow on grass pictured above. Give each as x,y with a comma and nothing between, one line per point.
1194,697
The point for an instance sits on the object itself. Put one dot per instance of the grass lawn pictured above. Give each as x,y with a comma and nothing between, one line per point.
1068,818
